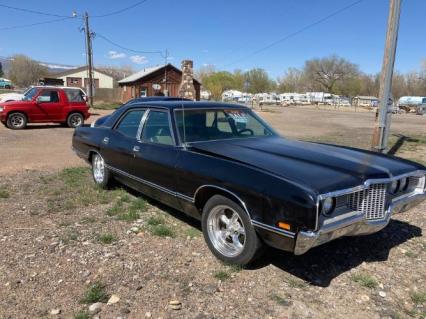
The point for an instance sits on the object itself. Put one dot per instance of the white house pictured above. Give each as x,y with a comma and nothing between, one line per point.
79,78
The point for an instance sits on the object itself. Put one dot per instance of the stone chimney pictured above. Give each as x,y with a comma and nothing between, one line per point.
186,88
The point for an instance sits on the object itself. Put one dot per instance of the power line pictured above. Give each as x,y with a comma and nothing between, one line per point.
293,34
120,11
35,24
33,11
124,48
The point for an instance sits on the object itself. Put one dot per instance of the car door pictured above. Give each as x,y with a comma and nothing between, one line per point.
155,157
49,105
118,143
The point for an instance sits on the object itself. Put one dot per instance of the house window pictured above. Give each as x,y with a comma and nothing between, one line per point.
74,81
144,92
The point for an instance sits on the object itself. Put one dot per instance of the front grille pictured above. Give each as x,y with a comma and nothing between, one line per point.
370,201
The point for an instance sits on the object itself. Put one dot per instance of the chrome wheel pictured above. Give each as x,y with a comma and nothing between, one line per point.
75,120
226,230
98,167
17,120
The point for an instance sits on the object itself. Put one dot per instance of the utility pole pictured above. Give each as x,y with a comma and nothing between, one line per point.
166,57
383,114
89,58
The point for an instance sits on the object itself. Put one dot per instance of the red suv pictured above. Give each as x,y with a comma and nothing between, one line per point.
42,104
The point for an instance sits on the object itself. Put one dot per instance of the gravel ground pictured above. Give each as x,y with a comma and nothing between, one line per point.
70,250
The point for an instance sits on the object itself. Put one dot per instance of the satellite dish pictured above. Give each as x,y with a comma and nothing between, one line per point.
156,86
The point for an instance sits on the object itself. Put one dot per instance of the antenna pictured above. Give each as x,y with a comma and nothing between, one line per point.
184,126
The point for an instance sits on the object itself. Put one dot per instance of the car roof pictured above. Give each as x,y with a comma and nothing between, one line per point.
171,105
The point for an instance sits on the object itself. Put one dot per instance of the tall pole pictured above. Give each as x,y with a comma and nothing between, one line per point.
166,57
89,55
383,114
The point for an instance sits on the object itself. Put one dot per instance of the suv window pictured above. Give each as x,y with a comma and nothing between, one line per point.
74,95
129,124
50,96
157,128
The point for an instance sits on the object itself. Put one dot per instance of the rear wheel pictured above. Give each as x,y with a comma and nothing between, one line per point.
16,121
101,174
75,120
229,233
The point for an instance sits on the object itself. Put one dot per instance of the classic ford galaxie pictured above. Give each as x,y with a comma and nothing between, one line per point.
249,186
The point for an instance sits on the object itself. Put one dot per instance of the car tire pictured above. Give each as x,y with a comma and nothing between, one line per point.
228,232
75,120
100,173
16,121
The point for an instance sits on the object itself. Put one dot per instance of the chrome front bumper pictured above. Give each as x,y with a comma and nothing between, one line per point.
353,224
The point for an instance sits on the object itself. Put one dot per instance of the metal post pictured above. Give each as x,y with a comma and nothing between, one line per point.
89,55
383,114
166,57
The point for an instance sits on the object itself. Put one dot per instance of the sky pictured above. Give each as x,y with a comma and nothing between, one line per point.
223,33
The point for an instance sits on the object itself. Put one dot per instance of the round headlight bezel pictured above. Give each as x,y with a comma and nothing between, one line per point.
328,205
394,186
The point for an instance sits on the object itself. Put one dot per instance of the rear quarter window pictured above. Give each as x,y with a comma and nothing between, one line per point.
75,95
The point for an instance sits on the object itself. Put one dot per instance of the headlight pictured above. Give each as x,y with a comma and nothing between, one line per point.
1,108
403,184
394,187
328,205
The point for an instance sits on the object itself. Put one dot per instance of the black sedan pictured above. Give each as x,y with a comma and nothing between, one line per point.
249,186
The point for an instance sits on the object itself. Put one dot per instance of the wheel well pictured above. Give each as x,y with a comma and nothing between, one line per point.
91,153
205,193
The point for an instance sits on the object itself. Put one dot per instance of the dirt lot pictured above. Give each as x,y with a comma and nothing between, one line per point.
66,244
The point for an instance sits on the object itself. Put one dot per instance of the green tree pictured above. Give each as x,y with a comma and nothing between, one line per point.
24,71
259,81
217,83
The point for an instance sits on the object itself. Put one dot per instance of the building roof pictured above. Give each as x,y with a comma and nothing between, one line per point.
72,71
147,71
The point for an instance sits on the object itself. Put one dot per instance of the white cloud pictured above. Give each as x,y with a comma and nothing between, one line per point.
116,55
138,59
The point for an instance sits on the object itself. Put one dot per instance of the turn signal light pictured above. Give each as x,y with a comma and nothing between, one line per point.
284,226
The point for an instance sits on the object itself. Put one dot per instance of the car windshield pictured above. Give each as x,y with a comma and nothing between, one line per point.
218,124
29,94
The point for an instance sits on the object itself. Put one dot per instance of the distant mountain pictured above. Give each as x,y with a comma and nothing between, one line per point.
53,67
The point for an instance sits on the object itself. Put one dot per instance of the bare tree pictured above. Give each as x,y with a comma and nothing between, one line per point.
205,71
329,71
117,72
293,80
24,71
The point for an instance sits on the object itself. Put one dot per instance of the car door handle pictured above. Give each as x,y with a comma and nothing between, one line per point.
136,148
105,140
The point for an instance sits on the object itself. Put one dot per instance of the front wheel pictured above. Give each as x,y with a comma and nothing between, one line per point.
16,121
229,233
101,174
75,120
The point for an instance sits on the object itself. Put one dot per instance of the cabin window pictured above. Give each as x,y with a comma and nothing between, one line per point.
129,124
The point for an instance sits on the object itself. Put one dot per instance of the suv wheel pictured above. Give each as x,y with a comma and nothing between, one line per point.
101,174
75,120
16,121
229,233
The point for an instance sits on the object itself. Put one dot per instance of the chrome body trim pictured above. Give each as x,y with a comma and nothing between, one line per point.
355,223
367,183
276,230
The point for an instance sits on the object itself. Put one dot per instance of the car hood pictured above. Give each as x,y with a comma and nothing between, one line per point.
321,167
14,96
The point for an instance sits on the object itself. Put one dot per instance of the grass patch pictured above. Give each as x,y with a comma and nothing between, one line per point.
69,236
87,220
222,275
365,280
162,231
126,208
155,221
410,254
280,300
419,297
106,106
192,232
95,293
107,239
296,283
82,315
4,193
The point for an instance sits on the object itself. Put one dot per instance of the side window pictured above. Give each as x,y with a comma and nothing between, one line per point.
129,124
49,96
74,95
157,128
223,124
